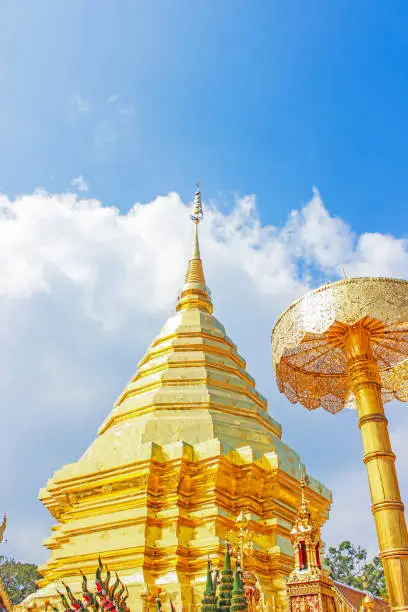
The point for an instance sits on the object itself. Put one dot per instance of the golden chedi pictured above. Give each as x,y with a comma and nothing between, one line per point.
188,445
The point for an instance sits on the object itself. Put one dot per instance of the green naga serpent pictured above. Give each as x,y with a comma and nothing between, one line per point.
107,597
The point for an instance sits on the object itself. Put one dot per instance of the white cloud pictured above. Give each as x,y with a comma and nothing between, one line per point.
316,236
382,253
84,289
80,184
80,105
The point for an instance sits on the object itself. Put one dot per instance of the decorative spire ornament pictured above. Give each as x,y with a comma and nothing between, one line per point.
309,586
148,598
303,510
242,541
195,292
368,602
209,601
3,528
305,536
239,602
197,214
226,584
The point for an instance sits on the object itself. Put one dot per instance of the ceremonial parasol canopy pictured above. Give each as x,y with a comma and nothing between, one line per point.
310,365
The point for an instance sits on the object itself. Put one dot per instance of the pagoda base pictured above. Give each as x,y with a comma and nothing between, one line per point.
158,524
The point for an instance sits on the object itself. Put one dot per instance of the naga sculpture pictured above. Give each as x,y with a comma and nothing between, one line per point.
108,597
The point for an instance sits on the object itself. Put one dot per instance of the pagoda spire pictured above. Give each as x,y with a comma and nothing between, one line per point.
195,293
309,586
239,602
209,601
305,536
226,585
368,602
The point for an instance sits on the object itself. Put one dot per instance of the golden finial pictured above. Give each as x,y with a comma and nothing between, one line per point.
197,213
3,527
241,520
344,273
304,479
304,482
368,600
241,543
195,293
303,504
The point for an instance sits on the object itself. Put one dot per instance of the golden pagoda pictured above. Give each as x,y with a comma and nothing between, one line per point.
188,445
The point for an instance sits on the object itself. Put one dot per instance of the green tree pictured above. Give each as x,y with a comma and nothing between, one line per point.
19,579
375,577
348,563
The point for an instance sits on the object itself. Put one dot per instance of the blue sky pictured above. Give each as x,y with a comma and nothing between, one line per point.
140,99
266,97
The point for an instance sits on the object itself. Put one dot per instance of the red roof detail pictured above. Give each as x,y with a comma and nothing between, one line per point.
355,597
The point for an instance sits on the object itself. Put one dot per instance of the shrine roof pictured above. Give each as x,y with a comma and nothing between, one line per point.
355,598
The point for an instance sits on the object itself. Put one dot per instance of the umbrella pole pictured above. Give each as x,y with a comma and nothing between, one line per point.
387,507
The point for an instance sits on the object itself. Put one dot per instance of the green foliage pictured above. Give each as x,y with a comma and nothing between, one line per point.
348,563
375,578
19,579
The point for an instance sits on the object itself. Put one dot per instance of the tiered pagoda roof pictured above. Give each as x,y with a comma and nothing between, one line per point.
188,444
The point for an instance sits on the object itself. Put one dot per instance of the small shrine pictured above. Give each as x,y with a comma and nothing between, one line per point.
310,587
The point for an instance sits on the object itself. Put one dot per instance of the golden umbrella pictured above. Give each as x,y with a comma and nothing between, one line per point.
347,344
